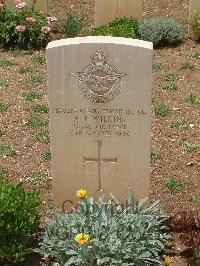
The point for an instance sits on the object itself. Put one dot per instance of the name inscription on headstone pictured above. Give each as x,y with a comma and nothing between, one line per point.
99,122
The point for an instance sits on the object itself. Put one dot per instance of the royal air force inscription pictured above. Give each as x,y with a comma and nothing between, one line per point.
99,83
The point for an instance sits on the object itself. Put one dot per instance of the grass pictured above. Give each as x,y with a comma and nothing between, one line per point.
7,149
180,124
198,164
162,110
4,107
36,122
27,69
38,59
44,137
46,155
171,77
7,63
188,65
3,83
174,184
40,108
195,55
188,146
37,177
2,132
32,95
153,157
3,171
193,99
34,80
156,66
170,86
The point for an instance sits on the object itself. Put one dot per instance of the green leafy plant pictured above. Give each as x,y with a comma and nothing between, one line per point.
195,55
106,233
40,108
46,155
34,80
3,171
32,95
196,26
180,124
71,26
188,145
119,27
193,99
169,86
39,58
7,149
35,122
19,220
156,66
160,31
2,132
27,69
174,184
153,157
198,164
44,137
23,28
37,177
3,83
6,63
4,107
162,109
188,65
171,77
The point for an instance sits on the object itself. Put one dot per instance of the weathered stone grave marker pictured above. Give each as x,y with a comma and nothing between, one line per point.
100,110
107,10
194,7
40,5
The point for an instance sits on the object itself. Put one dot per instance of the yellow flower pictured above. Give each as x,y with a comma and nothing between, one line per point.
81,193
82,238
168,260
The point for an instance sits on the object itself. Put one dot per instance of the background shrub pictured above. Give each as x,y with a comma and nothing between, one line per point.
119,27
31,37
19,219
160,30
196,26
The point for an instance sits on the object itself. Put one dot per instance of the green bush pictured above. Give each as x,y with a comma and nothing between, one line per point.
112,234
160,31
19,219
71,26
196,26
23,28
119,27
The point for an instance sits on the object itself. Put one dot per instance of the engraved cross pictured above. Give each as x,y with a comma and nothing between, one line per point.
99,162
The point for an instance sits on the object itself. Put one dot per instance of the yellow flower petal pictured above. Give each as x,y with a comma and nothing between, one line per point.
82,238
81,193
168,260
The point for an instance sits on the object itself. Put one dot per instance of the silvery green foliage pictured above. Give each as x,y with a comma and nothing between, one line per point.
118,235
160,30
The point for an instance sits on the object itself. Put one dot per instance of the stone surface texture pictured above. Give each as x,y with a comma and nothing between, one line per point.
100,116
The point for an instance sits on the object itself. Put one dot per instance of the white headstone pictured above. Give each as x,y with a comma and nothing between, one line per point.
107,10
100,116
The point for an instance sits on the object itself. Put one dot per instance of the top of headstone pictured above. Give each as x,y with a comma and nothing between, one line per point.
101,39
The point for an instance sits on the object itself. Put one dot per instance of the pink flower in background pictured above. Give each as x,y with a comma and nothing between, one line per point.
20,28
45,29
17,2
51,19
31,20
21,5
2,3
